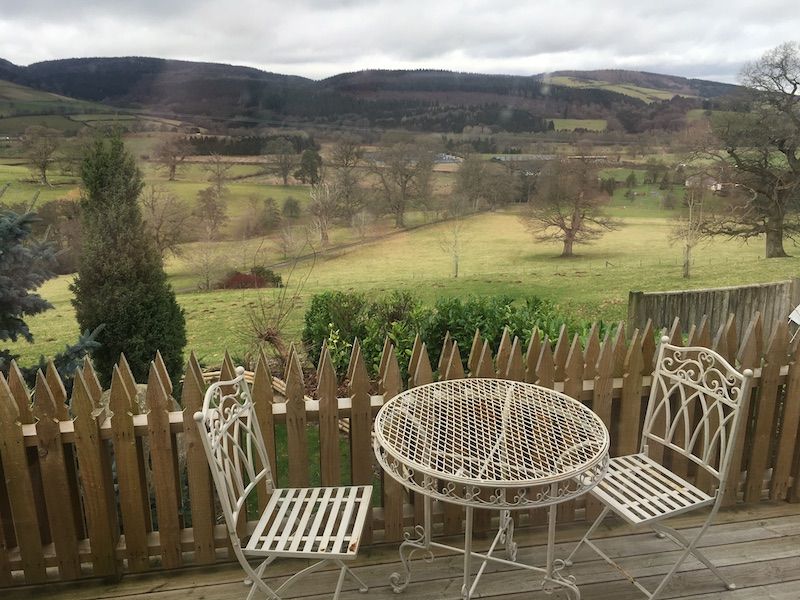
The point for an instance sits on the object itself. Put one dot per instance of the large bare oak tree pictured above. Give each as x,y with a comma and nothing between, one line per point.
568,205
760,150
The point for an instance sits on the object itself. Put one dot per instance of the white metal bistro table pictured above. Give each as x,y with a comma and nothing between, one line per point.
492,444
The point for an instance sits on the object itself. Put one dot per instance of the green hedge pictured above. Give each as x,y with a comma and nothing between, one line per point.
341,317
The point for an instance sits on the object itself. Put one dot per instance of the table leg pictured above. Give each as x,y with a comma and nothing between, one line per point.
553,567
507,534
466,588
412,545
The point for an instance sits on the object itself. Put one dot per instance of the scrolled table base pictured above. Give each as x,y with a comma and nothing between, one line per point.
556,580
408,548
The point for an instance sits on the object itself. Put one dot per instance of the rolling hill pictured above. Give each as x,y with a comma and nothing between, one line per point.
423,100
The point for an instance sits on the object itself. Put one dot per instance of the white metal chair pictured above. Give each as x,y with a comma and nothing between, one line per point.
695,407
794,320
322,523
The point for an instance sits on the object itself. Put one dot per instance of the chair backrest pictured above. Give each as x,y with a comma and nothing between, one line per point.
233,445
696,403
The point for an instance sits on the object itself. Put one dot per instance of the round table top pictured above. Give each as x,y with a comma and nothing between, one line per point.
491,432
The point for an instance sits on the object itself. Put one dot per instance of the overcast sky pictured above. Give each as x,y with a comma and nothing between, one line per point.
317,38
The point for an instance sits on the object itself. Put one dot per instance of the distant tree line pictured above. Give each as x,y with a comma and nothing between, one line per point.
248,145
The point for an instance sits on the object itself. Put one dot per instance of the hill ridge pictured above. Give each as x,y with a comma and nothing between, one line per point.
435,100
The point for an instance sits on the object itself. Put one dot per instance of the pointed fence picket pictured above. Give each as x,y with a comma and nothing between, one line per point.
108,482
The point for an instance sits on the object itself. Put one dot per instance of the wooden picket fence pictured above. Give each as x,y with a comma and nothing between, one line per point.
95,488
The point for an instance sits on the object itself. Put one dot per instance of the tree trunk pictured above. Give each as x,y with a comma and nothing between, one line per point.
774,232
687,259
567,251
323,233
399,220
172,169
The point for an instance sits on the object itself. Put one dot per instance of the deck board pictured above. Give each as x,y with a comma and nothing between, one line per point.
757,546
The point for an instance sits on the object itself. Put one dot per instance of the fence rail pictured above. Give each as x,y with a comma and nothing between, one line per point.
105,484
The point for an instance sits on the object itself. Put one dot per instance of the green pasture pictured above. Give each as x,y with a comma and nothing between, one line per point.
18,125
23,187
17,99
573,124
635,91
498,257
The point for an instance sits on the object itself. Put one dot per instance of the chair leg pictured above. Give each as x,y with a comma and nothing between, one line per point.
255,577
362,587
690,547
587,535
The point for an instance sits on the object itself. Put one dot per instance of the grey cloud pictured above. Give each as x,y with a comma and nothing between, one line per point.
323,37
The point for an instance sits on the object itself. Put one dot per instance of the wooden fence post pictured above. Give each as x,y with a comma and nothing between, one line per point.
163,474
330,468
103,534
296,438
361,429
18,485
629,426
263,399
788,443
592,352
545,369
20,393
452,514
54,481
532,357
201,500
601,405
764,410
573,387
393,491
129,479
749,358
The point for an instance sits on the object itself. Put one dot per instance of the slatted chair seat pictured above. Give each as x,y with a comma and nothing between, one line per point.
641,490
311,523
694,411
321,523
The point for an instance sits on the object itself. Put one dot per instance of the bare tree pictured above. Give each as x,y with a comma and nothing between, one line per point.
269,314
567,205
347,156
403,173
217,169
764,147
167,218
283,158
452,242
171,153
288,241
40,145
208,262
323,208
211,211
691,227
470,181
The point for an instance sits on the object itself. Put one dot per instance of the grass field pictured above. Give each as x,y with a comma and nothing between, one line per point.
642,93
499,257
17,125
17,99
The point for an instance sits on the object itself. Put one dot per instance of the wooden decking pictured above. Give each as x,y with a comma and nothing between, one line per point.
758,546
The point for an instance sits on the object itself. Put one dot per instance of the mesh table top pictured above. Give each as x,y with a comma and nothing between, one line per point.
491,432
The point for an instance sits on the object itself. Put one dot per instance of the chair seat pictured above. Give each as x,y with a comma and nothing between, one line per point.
640,490
323,522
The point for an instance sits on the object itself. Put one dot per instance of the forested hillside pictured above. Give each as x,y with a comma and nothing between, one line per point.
420,100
